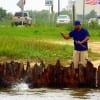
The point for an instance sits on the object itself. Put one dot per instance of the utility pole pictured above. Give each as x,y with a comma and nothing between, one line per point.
73,12
49,15
83,12
52,10
58,7
22,13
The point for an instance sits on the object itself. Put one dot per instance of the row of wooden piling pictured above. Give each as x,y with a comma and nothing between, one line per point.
51,76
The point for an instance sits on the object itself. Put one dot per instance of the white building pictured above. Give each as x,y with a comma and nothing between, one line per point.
88,8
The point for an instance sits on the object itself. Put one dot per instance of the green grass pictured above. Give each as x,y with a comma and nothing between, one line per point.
32,32
23,42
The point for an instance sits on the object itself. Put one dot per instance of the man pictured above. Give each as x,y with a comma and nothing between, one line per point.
80,37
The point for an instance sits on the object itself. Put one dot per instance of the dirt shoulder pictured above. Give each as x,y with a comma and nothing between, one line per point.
94,46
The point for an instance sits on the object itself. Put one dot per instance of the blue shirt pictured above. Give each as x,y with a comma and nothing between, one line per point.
79,36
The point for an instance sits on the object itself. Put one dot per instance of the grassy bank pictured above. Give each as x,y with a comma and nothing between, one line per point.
27,42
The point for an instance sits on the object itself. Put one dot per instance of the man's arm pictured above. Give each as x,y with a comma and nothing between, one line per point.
83,41
65,36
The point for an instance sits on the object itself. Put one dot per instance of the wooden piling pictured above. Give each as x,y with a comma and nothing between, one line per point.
53,76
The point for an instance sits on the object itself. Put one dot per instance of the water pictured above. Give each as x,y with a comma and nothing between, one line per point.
22,92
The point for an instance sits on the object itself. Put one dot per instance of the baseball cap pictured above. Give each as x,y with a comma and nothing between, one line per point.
77,22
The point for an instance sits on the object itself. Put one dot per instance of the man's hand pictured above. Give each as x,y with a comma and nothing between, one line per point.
65,36
78,42
62,33
83,41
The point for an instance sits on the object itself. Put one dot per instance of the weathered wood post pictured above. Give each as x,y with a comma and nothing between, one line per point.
98,77
81,76
90,75
54,76
58,74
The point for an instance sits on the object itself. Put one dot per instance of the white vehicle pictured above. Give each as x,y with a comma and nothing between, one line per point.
20,18
92,20
98,18
63,19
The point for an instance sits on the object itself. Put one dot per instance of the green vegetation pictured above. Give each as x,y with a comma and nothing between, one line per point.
24,42
33,42
39,40
4,15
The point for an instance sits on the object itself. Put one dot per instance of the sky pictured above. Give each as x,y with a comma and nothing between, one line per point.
11,5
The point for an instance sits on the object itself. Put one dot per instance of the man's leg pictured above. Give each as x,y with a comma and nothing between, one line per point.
76,58
83,57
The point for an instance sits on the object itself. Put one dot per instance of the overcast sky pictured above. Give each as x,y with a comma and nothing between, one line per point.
10,5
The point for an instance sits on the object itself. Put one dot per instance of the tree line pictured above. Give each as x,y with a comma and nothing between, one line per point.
4,15
44,16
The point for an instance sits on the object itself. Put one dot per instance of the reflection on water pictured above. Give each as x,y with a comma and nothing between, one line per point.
22,92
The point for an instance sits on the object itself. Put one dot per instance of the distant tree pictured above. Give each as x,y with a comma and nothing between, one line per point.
42,17
92,14
3,14
9,16
66,12
39,17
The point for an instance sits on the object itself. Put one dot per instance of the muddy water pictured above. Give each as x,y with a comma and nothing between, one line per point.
22,92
